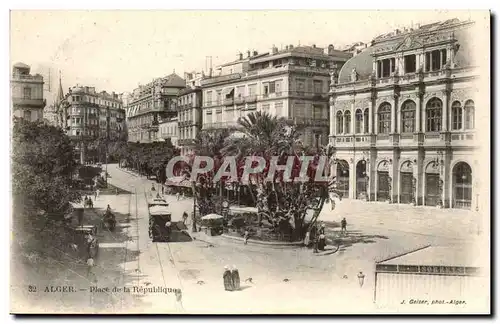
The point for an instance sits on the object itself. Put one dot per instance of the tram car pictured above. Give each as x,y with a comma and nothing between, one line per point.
160,223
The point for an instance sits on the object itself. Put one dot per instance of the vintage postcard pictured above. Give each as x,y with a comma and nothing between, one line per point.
250,162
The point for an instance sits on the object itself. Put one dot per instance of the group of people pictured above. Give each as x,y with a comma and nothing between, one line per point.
231,278
87,202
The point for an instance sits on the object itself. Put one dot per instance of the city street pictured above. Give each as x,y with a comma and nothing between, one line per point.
319,283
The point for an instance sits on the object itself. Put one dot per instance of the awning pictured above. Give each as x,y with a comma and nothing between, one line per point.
228,93
159,210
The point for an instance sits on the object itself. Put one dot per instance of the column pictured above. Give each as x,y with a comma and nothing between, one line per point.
393,114
352,180
418,114
374,69
370,118
444,125
353,118
333,120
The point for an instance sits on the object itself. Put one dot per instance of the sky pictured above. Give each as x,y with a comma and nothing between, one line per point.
118,50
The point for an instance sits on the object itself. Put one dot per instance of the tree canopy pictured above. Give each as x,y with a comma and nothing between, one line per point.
43,167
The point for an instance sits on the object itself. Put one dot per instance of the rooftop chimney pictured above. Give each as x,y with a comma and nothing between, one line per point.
274,50
286,47
240,56
255,53
314,45
248,54
290,47
397,31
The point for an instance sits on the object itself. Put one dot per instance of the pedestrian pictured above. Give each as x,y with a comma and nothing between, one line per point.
97,193
153,187
245,236
322,228
228,280
184,217
343,225
177,195
162,190
235,275
90,266
361,278
183,196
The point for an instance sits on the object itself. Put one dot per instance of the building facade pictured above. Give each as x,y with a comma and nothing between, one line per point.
88,115
169,130
150,103
27,93
292,83
402,119
189,107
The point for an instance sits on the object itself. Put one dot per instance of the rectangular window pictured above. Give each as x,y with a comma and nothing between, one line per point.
278,88
410,62
278,107
300,110
27,114
318,86
240,91
435,60
219,97
219,116
265,108
272,87
301,86
265,90
27,93
251,89
317,112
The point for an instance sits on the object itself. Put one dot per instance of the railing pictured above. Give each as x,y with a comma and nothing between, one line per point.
28,77
221,125
463,136
29,102
239,100
406,136
382,137
307,121
228,102
251,99
432,136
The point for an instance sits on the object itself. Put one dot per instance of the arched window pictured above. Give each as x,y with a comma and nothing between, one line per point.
340,123
456,116
359,121
347,120
408,117
433,113
366,120
384,118
469,114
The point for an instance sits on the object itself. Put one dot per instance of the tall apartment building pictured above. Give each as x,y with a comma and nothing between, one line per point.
88,115
292,83
402,118
151,103
189,104
26,93
169,130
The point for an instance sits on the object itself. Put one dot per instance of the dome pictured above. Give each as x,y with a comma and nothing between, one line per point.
20,65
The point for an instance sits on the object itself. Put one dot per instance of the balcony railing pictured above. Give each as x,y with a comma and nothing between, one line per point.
228,102
225,124
239,100
307,121
463,136
251,99
29,102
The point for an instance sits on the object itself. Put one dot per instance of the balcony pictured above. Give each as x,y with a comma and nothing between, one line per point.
307,121
364,140
463,138
217,125
239,100
251,99
35,103
228,102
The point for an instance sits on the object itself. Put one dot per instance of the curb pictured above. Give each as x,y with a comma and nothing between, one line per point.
270,244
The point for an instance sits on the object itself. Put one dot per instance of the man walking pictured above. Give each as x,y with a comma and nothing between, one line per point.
97,193
343,225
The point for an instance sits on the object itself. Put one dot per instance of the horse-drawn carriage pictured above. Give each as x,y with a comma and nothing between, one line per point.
85,240
108,221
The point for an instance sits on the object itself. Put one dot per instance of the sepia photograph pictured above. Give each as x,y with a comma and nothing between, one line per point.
250,162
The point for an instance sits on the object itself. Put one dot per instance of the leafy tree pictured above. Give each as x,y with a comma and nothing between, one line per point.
43,167
282,204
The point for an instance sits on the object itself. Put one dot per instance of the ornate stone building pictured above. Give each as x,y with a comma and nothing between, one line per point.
149,104
27,93
402,118
291,83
